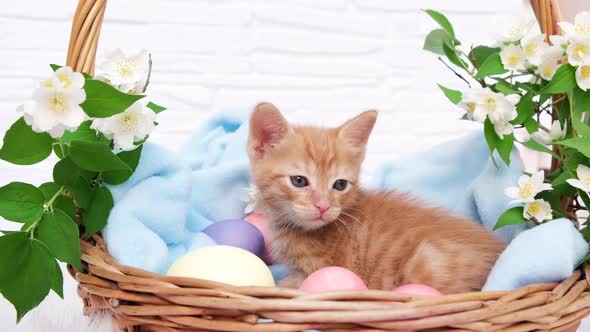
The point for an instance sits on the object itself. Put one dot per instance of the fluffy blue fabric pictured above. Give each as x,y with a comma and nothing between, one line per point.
546,253
161,210
458,175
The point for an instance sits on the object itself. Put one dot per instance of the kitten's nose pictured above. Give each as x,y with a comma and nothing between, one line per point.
322,206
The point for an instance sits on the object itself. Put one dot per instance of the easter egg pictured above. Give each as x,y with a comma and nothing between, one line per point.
261,222
230,265
332,278
418,289
237,233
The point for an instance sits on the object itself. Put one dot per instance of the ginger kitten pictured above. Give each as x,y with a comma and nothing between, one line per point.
320,216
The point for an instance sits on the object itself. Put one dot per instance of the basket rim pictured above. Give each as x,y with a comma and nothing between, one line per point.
139,298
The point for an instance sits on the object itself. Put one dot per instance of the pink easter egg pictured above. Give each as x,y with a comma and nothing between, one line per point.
418,289
261,222
332,278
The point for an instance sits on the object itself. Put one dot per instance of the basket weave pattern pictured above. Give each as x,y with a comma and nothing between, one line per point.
145,301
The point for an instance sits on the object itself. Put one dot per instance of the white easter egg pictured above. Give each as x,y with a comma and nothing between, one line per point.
230,265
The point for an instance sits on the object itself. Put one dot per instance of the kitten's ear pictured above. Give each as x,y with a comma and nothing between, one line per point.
356,131
268,127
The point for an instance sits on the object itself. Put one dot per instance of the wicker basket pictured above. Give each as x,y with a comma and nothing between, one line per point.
145,301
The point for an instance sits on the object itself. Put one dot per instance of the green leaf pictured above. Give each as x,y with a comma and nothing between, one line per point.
83,133
531,125
21,202
61,150
155,107
98,212
480,54
560,179
66,172
525,108
453,57
442,21
490,134
492,66
103,100
578,143
23,146
60,235
506,88
513,216
454,96
55,67
534,145
581,100
65,204
581,106
57,282
25,276
436,39
95,157
131,158
564,80
49,189
81,192
504,147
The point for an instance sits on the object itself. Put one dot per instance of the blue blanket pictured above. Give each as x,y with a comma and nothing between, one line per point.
160,211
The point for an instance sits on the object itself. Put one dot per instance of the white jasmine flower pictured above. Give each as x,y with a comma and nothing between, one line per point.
534,47
556,132
528,188
496,106
54,109
516,29
538,210
550,62
581,27
513,57
559,41
253,197
68,79
132,125
503,128
583,180
583,77
578,52
469,102
126,73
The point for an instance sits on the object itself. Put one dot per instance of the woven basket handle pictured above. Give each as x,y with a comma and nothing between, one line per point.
84,35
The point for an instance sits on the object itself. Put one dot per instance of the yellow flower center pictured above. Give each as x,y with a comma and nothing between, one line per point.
580,50
534,208
548,70
491,101
126,68
531,48
65,80
129,122
48,84
585,72
583,29
470,107
513,59
586,181
57,103
526,190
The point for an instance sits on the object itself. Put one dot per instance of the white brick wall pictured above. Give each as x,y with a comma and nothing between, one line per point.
320,60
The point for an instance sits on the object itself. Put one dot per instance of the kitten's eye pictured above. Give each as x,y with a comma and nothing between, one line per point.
340,184
299,181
